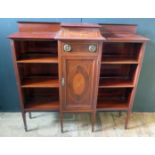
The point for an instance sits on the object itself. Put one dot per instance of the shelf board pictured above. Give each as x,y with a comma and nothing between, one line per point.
40,82
115,83
38,57
119,62
39,60
41,105
111,59
112,105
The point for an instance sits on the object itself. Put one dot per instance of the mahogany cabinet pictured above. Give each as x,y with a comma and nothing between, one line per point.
77,67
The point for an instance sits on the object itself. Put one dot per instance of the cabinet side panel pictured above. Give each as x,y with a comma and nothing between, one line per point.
137,74
17,75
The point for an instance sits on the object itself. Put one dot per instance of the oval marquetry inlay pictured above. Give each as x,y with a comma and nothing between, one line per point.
78,84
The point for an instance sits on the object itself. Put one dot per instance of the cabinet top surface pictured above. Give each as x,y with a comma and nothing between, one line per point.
78,31
120,37
33,35
86,25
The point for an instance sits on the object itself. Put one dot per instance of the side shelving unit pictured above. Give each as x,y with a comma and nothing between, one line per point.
37,70
121,61
36,63
117,75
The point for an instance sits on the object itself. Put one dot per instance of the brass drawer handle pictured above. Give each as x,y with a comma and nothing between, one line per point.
92,48
67,48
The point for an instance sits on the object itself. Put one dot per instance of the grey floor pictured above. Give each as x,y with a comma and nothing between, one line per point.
47,124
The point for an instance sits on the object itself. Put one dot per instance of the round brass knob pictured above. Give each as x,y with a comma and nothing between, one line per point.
92,48
67,48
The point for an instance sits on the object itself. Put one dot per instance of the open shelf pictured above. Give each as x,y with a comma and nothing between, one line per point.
35,46
117,76
115,82
36,51
39,75
36,58
41,99
42,104
40,82
112,105
121,53
38,68
113,99
118,66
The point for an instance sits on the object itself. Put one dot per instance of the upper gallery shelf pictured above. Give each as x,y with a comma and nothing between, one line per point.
50,31
121,33
36,31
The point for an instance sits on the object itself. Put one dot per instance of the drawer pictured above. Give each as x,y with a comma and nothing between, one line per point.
88,48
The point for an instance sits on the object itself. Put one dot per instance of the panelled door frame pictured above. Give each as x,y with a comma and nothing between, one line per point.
89,106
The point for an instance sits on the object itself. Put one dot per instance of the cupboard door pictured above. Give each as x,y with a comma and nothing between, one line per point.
78,83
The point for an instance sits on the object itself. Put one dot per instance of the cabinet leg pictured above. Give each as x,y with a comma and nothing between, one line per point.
61,121
127,119
93,116
24,121
30,115
120,114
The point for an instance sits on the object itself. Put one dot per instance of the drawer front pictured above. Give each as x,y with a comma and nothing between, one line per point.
85,48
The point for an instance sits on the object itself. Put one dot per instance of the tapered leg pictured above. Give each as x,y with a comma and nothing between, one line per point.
30,115
24,120
61,120
120,114
127,119
93,116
